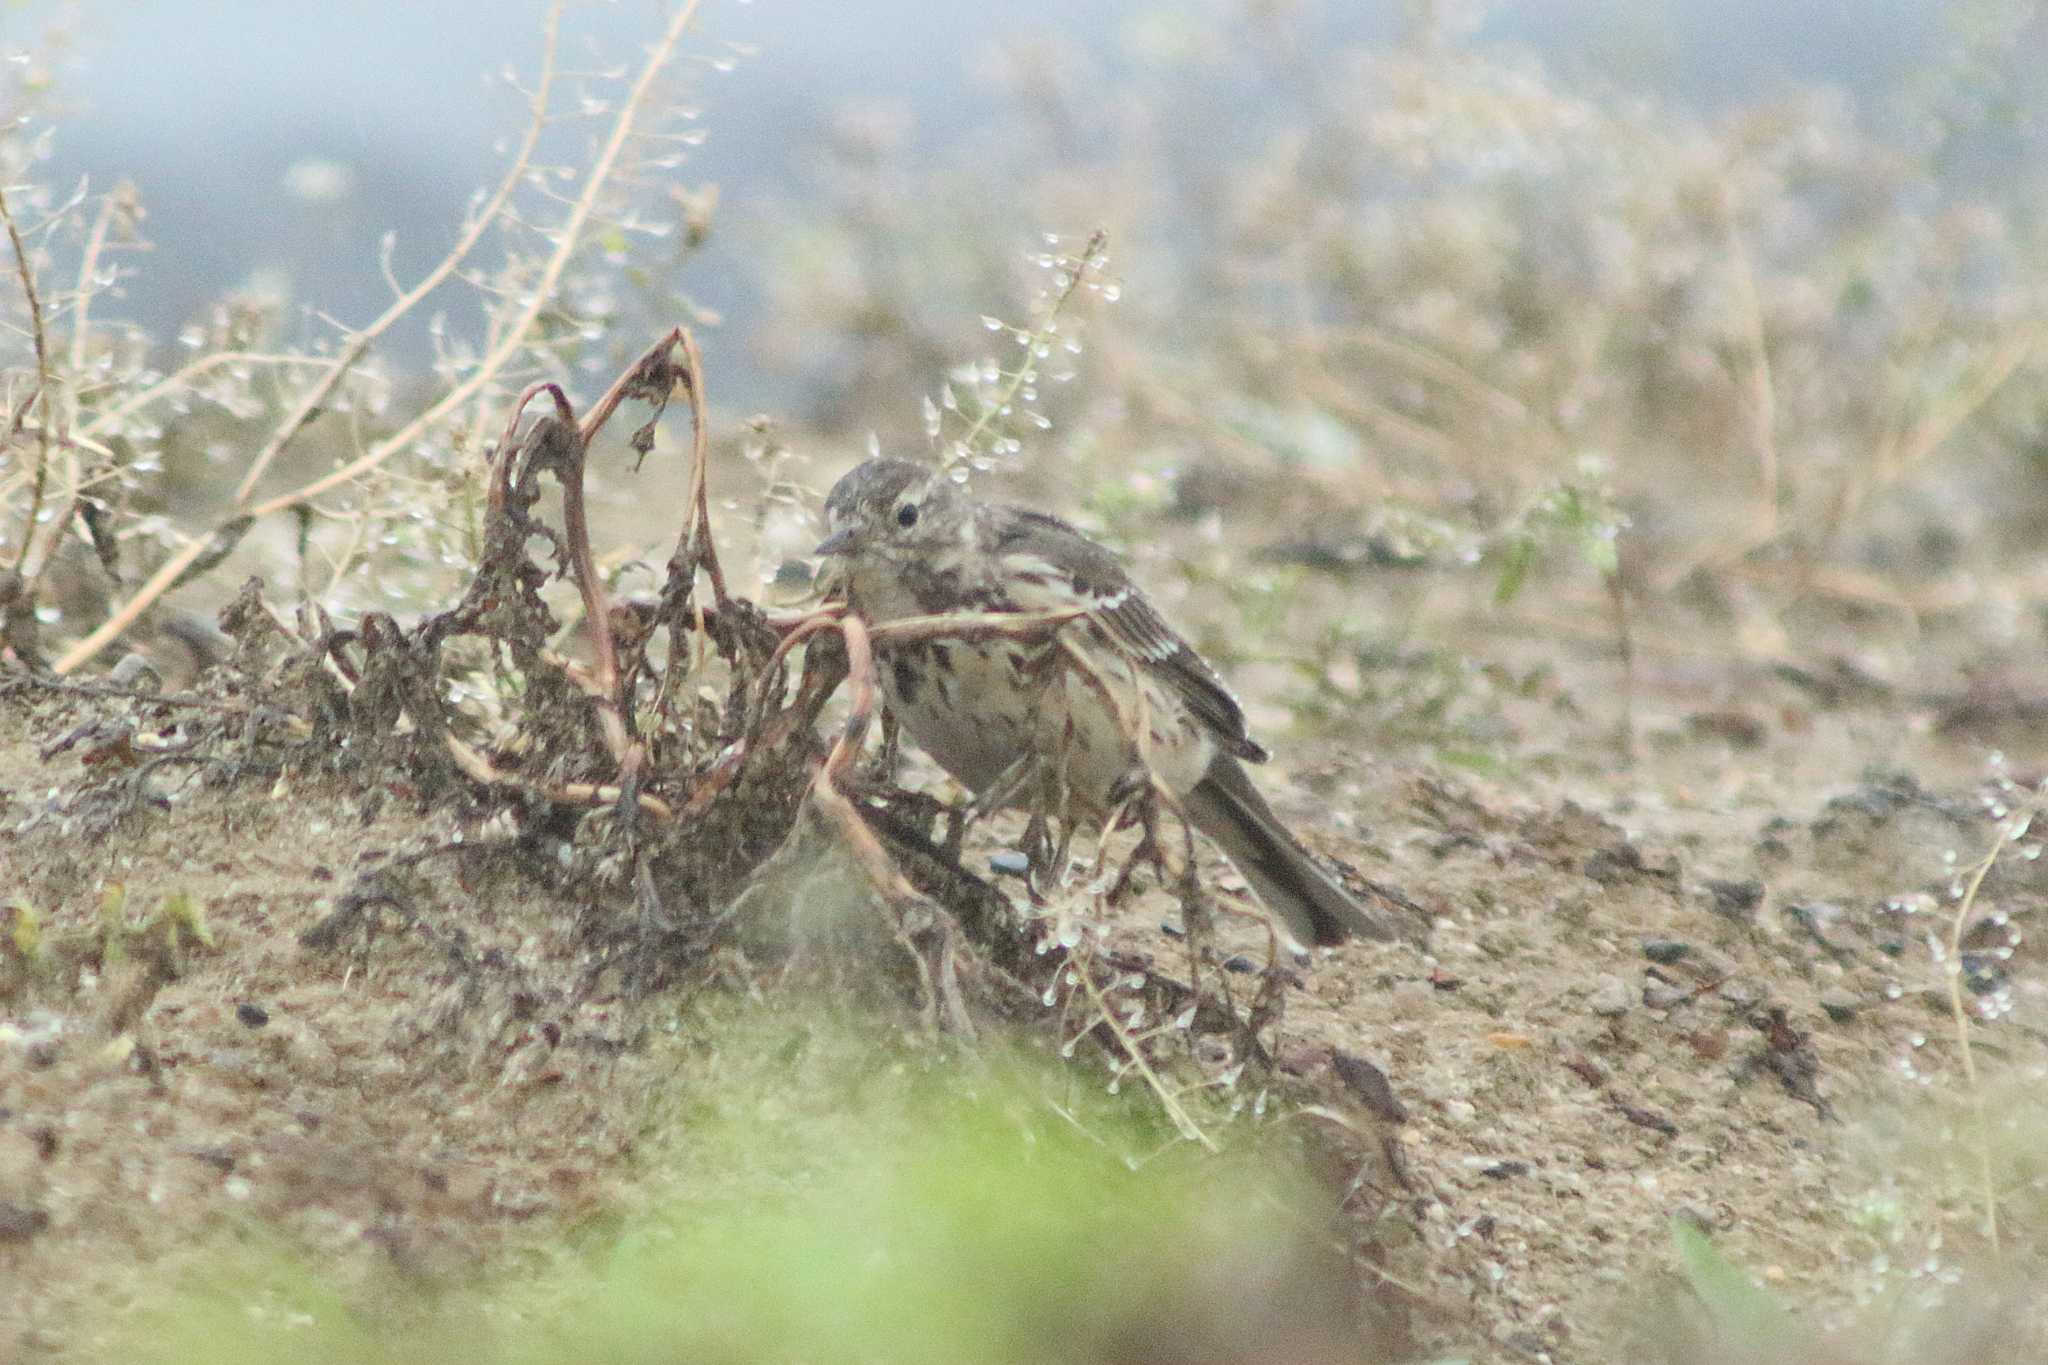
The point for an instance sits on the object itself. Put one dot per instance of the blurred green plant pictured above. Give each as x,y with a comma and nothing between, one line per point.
820,1191
1579,514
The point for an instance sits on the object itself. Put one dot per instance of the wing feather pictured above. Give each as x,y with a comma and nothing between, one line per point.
1047,565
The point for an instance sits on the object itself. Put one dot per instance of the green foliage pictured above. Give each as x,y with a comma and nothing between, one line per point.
25,935
1581,515
825,1193
1746,1320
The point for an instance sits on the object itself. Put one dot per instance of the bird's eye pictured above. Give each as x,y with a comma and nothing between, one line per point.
906,515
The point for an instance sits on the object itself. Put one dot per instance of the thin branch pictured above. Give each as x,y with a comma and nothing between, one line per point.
702,548
588,794
315,398
2008,829
569,236
1763,394
35,315
1907,445
88,270
181,378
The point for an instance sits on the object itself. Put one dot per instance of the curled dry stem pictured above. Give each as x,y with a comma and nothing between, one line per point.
591,794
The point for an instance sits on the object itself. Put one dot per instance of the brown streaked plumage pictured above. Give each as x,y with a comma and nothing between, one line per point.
1066,700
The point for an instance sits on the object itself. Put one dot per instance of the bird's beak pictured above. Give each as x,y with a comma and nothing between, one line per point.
838,543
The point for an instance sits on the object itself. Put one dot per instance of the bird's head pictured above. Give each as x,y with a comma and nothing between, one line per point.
893,509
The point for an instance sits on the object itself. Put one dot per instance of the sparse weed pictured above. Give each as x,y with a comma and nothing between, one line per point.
1370,326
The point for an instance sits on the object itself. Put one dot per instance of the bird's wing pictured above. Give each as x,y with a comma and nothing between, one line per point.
1048,565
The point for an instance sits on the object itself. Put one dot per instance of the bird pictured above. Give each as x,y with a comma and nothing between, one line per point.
1088,697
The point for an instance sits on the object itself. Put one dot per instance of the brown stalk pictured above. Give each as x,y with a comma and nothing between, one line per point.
698,543
874,860
43,381
88,268
589,794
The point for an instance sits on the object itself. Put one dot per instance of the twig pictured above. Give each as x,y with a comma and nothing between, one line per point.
973,625
591,794
1907,445
119,197
182,378
2008,829
702,549
1169,1099
1089,259
35,317
315,397
568,237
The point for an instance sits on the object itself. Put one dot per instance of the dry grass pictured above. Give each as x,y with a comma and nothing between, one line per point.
1474,420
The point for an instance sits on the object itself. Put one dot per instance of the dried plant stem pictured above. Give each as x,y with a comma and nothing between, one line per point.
43,382
88,270
1961,1015
701,547
1909,444
1090,255
1763,394
568,236
875,862
1169,1098
315,397
181,378
1424,363
587,794
88,274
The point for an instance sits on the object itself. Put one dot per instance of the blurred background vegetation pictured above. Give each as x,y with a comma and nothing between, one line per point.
1463,282
1696,334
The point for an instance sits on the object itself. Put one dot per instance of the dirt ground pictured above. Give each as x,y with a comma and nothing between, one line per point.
1693,983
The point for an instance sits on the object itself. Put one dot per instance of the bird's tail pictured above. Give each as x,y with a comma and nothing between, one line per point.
1310,904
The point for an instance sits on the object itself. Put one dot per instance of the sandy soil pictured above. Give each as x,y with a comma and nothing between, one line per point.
1696,984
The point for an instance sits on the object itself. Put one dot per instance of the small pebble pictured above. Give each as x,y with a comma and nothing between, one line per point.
21,1222
1610,997
1982,973
1734,899
1008,863
1659,996
1709,963
1411,997
1841,1005
1741,993
1240,964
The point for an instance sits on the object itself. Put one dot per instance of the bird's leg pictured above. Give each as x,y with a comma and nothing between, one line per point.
1037,846
997,795
880,771
1058,859
1149,849
1196,911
